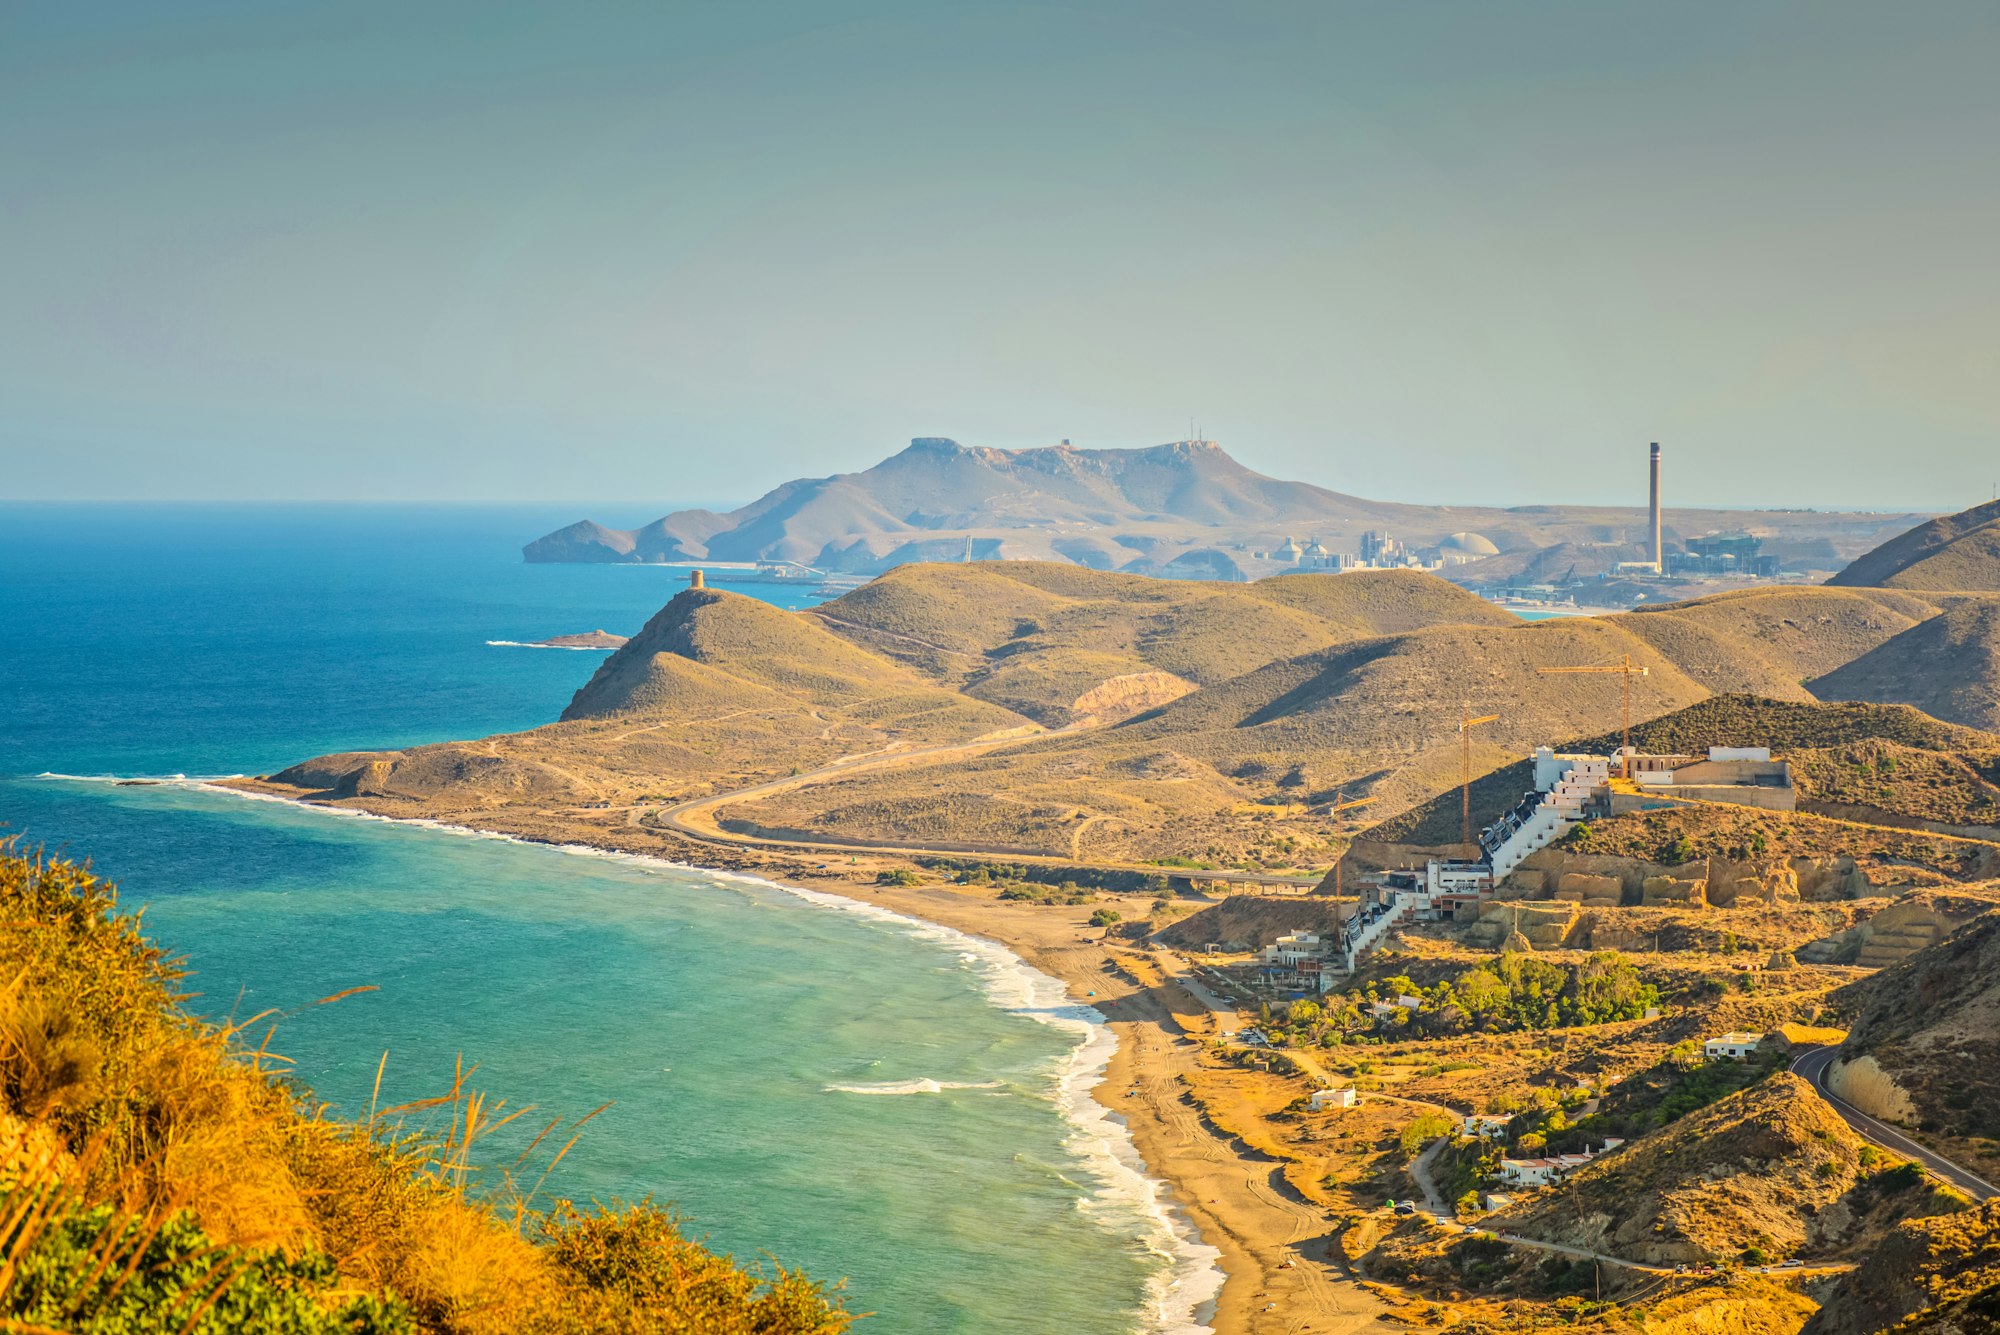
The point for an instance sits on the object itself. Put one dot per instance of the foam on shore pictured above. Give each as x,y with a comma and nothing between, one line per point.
573,648
1181,1296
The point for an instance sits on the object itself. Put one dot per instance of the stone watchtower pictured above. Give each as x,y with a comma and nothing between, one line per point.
695,580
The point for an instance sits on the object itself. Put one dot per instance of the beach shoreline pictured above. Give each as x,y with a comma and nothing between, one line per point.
1273,1251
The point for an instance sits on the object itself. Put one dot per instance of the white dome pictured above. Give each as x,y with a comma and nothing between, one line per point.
1470,543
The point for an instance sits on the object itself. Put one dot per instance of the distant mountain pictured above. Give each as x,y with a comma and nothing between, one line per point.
1954,554
1185,510
1100,508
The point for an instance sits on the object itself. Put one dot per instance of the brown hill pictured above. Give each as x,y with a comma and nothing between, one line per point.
1888,763
1035,636
1195,721
1947,666
1770,641
775,656
1772,1166
1924,1047
1935,1276
1956,553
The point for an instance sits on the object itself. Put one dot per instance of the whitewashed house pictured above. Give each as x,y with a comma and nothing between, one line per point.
1732,1047
1323,1099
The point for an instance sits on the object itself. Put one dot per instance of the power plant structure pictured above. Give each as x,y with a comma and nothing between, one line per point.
1659,565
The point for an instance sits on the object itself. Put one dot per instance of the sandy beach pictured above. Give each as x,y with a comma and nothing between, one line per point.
1237,1197
1275,1247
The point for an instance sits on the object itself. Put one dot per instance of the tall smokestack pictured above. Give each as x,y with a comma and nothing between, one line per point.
1658,566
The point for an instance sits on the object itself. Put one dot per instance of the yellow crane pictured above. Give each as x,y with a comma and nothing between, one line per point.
1624,665
1340,805
1466,724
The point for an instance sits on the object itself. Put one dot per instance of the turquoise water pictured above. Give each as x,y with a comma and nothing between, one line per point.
862,1096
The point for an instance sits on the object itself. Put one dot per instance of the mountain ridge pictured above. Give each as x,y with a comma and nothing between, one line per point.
1186,508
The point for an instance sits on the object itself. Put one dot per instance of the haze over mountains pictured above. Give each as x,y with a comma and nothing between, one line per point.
1042,706
1185,508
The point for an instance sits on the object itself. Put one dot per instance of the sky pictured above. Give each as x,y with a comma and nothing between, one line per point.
1451,252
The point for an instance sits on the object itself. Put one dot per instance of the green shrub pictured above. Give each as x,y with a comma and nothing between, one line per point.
91,1272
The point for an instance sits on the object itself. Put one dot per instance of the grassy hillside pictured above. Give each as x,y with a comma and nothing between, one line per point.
1771,1167
1770,641
1932,1024
1948,666
1892,759
157,1177
1935,1276
1205,720
763,646
1034,636
1955,553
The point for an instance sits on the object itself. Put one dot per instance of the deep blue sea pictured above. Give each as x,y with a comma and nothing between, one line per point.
859,1095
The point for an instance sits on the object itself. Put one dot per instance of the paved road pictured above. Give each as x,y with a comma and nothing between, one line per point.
1812,1064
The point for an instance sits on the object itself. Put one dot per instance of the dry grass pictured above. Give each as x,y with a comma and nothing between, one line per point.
156,1174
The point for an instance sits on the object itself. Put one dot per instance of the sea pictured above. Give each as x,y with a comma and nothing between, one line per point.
809,1081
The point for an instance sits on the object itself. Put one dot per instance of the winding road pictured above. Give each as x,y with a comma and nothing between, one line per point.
1811,1065
694,819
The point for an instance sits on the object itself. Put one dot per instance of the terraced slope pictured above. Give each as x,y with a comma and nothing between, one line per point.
1881,763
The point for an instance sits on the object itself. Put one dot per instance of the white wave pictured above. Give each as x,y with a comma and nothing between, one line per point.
919,1086
529,644
1181,1297
180,780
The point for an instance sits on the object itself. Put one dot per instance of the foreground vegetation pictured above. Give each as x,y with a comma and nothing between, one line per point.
155,1175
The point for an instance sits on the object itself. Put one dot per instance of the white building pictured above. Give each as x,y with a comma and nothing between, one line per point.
1322,1099
1288,952
1563,786
1531,1172
1732,1047
1298,961
1486,1126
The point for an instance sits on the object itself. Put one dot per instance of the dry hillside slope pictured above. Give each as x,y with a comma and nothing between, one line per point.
1035,636
1935,1276
1948,666
1194,721
1955,553
1925,1043
1772,1165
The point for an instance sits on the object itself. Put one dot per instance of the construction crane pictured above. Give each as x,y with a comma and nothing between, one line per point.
1624,665
1466,723
1340,805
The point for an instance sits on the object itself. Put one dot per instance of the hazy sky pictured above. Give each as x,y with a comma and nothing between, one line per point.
1476,252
